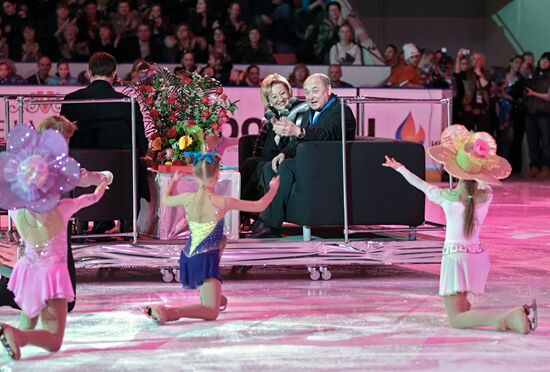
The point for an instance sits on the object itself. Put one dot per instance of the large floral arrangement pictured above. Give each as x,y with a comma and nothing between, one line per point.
181,113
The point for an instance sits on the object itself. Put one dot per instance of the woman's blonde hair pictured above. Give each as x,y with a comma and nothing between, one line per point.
267,85
59,123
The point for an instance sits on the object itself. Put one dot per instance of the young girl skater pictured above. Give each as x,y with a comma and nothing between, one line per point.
471,158
87,178
200,259
36,172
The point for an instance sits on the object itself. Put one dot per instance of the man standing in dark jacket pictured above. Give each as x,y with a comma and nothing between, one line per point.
105,125
322,122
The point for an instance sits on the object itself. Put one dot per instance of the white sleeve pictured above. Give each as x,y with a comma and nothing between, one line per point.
357,54
432,192
88,178
333,55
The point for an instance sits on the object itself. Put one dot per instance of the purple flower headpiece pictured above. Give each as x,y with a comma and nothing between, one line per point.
35,170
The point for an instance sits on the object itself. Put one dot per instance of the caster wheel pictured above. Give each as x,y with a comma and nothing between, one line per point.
176,275
314,274
167,275
325,273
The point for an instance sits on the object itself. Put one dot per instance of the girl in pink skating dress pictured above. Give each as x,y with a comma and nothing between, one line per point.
36,171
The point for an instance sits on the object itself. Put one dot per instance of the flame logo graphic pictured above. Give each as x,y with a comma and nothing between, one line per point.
407,131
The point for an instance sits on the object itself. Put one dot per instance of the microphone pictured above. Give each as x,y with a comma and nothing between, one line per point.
269,114
289,106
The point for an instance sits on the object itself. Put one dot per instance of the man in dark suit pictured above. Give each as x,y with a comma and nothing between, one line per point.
105,125
322,122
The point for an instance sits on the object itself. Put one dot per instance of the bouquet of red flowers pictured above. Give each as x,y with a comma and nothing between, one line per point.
181,113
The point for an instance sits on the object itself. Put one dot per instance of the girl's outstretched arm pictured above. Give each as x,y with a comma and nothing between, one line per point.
71,206
254,206
411,178
174,200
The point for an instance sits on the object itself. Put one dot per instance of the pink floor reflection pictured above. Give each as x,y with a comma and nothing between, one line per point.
366,318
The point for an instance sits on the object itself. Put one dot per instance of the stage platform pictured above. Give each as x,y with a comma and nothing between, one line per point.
366,318
317,256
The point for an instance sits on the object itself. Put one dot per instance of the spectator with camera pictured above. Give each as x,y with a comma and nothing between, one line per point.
426,66
476,101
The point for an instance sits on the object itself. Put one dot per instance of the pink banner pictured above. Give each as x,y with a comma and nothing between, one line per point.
408,121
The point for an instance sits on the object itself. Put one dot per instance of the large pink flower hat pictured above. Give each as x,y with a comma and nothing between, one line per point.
470,155
35,169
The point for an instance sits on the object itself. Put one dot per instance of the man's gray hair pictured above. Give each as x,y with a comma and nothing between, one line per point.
324,78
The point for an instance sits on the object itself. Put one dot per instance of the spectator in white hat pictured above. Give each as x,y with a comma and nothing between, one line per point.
407,74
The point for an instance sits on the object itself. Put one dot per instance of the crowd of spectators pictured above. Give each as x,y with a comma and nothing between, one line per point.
509,103
212,33
208,37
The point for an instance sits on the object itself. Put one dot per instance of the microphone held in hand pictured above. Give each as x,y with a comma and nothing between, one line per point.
269,114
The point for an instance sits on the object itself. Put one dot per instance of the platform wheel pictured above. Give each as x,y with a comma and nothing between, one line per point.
314,274
167,275
176,275
325,273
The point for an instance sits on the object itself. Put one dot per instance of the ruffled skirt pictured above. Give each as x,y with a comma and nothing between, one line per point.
33,284
463,272
196,269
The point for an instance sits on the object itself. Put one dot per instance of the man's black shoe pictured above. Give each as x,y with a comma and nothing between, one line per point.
263,231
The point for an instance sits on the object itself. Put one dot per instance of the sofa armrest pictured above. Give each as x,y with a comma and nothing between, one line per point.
376,195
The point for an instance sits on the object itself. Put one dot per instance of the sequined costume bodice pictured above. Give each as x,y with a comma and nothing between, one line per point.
41,274
205,237
55,250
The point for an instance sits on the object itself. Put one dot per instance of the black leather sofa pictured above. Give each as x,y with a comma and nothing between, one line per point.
376,195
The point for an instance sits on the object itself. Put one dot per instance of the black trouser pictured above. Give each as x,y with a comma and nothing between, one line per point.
537,128
249,177
274,215
478,123
7,296
516,145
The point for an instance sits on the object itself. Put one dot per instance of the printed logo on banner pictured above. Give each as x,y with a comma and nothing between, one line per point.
44,108
407,131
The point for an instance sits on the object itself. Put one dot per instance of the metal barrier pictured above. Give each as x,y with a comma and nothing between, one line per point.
30,100
361,100
19,99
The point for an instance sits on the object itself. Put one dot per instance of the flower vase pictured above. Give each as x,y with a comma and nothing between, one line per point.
175,168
